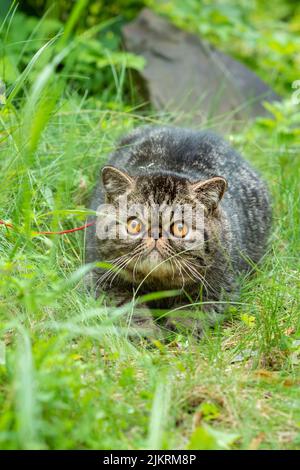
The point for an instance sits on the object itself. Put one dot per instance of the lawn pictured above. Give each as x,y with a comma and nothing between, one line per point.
69,377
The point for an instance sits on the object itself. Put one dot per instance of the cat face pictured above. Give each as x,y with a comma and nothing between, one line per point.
157,228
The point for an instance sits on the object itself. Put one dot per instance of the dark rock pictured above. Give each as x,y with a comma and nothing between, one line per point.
186,77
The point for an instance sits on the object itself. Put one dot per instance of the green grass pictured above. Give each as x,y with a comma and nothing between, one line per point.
69,377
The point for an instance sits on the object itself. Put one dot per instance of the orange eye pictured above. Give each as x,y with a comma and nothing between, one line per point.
179,229
134,226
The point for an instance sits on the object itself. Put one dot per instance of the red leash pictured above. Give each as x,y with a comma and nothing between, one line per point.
7,224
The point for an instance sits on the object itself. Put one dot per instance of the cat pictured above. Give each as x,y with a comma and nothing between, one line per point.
167,167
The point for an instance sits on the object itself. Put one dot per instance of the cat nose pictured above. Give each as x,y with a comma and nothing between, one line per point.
155,232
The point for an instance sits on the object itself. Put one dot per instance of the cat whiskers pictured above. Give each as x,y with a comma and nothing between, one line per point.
124,265
102,280
138,252
115,264
195,275
173,271
199,276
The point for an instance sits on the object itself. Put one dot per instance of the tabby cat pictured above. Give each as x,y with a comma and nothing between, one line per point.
166,168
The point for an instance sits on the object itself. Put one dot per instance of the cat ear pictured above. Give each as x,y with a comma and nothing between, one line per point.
211,191
116,181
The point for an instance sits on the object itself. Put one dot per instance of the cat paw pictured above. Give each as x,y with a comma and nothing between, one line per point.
186,326
144,326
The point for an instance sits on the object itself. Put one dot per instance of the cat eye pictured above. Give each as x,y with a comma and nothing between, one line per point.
179,229
134,226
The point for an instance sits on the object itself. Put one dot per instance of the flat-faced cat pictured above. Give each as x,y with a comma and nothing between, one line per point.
156,171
